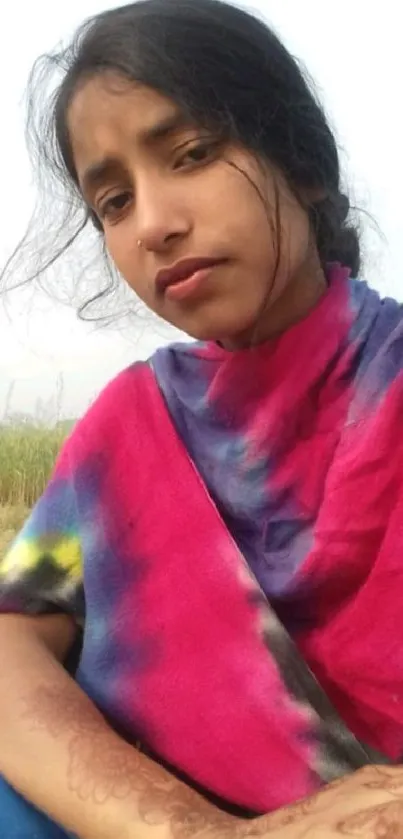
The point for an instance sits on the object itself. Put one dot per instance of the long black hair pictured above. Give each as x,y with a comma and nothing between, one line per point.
227,70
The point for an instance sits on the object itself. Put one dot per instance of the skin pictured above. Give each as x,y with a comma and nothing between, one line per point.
368,804
184,194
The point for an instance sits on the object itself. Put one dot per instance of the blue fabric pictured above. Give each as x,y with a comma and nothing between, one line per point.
19,820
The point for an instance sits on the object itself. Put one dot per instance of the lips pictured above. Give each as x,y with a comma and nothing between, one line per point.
182,271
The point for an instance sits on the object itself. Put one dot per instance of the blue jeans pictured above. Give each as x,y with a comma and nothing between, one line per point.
20,820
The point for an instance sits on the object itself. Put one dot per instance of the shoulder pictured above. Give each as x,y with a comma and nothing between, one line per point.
118,396
126,403
110,416
376,343
377,322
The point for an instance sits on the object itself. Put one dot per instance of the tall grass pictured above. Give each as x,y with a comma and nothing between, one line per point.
27,456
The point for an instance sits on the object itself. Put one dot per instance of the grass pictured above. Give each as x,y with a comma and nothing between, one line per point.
27,456
11,519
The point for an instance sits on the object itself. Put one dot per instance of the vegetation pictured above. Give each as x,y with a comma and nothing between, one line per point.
27,455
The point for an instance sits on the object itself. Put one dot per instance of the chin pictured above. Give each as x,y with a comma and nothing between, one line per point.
220,321
218,332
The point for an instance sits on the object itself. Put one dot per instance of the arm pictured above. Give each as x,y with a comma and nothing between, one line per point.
366,805
55,747
94,784
100,788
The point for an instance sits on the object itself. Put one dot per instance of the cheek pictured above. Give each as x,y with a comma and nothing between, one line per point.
296,235
126,257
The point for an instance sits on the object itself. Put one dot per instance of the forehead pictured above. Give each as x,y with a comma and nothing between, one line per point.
109,116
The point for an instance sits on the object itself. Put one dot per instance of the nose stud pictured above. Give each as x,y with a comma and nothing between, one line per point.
139,243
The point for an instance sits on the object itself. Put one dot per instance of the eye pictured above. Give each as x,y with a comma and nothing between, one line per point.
112,207
199,153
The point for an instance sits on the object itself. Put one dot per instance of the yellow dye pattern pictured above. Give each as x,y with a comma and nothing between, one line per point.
27,554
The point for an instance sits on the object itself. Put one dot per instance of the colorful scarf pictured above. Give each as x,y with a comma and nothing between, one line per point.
209,508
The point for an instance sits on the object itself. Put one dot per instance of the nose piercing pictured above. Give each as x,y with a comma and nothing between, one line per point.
139,243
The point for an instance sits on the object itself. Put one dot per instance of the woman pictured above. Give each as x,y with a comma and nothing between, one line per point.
224,525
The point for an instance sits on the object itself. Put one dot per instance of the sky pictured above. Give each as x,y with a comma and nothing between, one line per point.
352,50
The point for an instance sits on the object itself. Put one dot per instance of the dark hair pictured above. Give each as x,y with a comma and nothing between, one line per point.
229,71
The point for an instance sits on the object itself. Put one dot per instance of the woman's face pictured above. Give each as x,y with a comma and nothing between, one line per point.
166,191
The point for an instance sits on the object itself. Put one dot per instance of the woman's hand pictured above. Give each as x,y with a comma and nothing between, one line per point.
366,804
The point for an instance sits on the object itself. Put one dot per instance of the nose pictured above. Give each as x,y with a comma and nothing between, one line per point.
162,219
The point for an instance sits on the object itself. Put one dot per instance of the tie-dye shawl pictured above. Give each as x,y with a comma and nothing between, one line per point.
210,507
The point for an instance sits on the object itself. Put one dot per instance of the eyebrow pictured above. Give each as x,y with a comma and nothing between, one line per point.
98,172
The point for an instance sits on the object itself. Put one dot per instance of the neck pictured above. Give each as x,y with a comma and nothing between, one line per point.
301,294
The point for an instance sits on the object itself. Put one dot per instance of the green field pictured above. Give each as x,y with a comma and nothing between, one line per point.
27,456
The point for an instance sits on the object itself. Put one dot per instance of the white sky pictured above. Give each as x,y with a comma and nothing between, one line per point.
351,50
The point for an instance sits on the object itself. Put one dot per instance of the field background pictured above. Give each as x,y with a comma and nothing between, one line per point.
28,450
